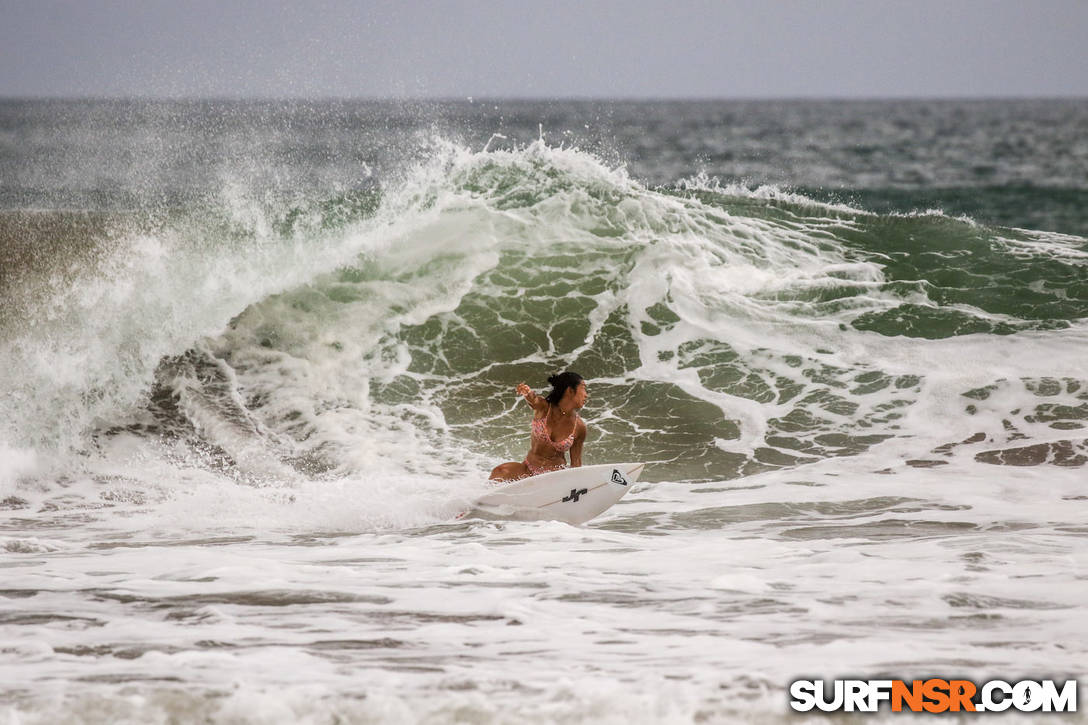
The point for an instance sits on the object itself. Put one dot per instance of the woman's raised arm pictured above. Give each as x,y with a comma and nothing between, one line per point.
531,398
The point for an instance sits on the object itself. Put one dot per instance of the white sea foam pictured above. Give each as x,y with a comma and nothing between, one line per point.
273,537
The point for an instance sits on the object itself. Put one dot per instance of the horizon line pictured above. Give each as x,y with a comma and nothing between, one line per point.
473,99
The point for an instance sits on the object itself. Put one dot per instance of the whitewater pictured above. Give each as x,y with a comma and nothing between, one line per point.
256,359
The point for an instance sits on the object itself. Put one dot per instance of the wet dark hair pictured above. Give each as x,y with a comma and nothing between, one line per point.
560,383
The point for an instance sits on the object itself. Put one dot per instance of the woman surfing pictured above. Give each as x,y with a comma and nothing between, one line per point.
556,428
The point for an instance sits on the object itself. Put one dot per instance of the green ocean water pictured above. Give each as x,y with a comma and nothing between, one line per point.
256,357
467,271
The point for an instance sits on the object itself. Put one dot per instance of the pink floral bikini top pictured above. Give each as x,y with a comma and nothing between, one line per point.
539,428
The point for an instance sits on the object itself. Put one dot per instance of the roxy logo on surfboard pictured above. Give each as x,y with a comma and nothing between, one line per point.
617,477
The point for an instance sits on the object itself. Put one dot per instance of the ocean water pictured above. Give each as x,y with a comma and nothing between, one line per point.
255,357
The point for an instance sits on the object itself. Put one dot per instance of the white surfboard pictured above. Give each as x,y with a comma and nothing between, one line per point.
573,495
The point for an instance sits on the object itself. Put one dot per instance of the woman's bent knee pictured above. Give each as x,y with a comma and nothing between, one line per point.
509,472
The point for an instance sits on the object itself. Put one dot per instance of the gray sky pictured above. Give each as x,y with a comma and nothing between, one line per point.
609,48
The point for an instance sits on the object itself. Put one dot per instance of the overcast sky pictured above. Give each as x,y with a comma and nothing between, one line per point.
610,48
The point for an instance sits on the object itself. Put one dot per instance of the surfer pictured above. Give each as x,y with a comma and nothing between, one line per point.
556,429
